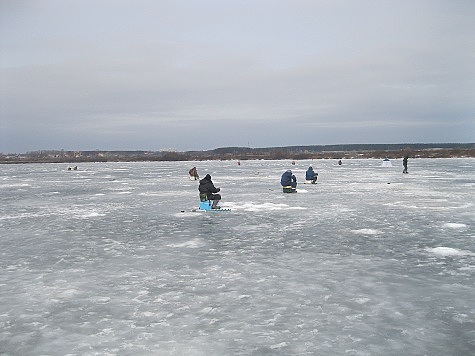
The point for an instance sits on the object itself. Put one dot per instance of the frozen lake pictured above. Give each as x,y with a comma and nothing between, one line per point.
111,259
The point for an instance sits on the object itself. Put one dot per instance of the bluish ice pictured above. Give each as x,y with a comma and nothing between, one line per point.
114,259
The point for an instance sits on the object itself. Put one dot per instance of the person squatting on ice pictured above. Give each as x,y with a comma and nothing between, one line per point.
310,175
208,191
193,173
288,179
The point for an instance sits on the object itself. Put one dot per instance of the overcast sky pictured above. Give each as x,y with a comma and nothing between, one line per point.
193,75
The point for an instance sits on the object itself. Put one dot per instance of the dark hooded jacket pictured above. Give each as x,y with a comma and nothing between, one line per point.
193,172
207,186
310,174
288,179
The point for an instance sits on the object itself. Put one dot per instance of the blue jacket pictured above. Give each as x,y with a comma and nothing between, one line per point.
310,174
288,178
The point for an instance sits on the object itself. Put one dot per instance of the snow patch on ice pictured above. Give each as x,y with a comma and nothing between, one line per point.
207,310
21,216
91,214
361,300
449,251
100,300
195,243
278,346
455,226
262,207
366,232
185,213
14,185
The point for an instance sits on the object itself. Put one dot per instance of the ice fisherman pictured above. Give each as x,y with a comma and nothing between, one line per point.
288,180
193,174
311,176
404,163
208,191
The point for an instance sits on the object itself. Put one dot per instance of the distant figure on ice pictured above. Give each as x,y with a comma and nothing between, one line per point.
386,163
339,162
208,191
193,174
404,163
311,176
288,182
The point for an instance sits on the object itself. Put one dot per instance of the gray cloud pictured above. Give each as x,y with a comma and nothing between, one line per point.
149,75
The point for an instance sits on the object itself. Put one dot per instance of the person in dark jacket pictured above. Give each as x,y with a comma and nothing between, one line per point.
208,191
193,173
404,164
288,179
310,175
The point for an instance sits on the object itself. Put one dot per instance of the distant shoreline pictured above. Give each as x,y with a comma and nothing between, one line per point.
353,151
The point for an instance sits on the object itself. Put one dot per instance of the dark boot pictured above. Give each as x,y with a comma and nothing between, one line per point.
215,204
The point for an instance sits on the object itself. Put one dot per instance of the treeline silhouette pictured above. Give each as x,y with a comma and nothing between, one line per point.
343,151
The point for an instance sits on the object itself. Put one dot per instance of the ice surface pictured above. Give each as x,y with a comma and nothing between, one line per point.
115,259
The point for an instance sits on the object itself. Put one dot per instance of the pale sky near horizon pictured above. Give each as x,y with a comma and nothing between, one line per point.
193,75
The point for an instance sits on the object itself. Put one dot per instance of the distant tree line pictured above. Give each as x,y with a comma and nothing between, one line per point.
444,150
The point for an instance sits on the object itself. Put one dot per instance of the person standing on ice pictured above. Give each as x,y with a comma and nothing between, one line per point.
311,176
404,163
288,182
208,191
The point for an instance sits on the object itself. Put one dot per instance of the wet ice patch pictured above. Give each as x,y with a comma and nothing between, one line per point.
252,228
449,251
366,232
68,293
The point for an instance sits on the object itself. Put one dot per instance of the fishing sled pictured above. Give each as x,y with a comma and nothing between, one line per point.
207,205
289,189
